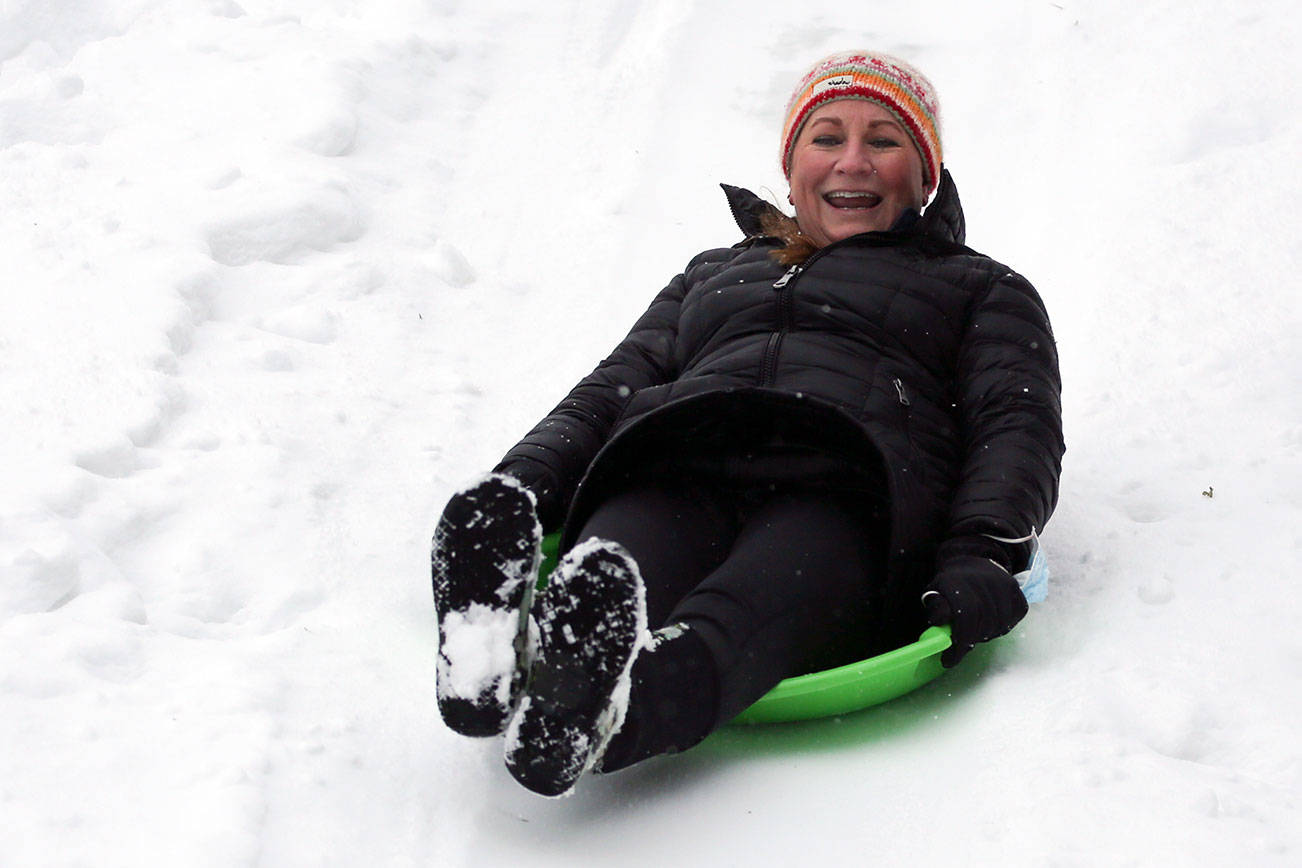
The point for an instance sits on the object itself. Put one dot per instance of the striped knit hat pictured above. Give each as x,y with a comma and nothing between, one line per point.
880,78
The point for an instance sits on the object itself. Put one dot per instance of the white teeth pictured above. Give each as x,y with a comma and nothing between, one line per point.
854,199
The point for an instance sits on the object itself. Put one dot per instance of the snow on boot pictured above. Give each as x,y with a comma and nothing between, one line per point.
485,561
591,621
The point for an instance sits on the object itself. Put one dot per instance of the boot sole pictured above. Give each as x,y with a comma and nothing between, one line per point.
591,622
484,560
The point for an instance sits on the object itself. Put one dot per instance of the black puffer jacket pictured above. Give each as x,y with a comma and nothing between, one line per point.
903,348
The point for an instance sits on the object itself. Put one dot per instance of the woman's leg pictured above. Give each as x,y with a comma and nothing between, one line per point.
678,533
674,533
796,587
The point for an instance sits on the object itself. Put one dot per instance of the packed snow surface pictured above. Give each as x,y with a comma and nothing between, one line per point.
280,277
479,646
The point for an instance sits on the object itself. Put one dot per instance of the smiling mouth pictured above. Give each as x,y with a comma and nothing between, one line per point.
852,201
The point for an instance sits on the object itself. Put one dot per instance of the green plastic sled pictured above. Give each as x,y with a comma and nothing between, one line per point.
832,691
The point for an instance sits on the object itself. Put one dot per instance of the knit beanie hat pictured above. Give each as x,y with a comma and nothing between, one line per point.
880,78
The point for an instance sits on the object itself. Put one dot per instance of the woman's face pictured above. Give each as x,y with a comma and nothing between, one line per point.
853,169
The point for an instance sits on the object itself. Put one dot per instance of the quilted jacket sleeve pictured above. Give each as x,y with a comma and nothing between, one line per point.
552,458
1009,393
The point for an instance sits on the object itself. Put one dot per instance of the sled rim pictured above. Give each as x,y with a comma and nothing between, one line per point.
830,692
854,686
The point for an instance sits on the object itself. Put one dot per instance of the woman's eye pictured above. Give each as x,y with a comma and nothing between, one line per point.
826,140
884,143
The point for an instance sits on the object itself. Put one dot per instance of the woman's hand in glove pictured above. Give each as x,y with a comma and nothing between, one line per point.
978,598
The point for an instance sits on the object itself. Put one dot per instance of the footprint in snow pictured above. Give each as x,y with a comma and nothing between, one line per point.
333,136
226,9
309,323
170,403
115,459
223,178
37,582
287,231
449,265
1231,124
277,361
1158,591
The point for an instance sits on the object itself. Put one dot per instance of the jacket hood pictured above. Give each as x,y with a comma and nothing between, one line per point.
942,219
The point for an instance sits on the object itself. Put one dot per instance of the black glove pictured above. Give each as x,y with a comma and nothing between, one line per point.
978,598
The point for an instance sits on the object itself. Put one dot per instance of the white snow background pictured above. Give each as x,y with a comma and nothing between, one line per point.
277,277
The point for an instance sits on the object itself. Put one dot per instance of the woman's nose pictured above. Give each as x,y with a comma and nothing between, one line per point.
856,160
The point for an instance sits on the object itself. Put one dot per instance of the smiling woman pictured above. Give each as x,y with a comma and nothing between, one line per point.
860,148
853,169
814,443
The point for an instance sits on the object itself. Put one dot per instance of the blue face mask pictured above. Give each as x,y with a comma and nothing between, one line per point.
1034,580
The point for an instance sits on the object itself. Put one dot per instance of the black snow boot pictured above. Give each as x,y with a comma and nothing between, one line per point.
591,621
674,703
485,561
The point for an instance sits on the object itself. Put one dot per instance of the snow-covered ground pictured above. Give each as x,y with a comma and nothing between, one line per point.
277,277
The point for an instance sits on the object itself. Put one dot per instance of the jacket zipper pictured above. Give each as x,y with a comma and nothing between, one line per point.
786,278
769,362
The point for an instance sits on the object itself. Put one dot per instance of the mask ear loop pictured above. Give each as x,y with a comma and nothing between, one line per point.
1034,580
1030,536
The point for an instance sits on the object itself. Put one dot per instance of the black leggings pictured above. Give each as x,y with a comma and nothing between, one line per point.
776,581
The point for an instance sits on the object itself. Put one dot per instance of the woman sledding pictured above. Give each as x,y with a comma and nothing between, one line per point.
812,444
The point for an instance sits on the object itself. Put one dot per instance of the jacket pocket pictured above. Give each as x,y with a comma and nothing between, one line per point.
890,402
889,409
